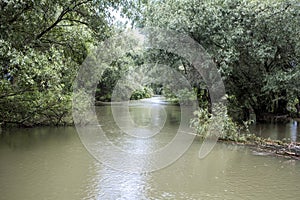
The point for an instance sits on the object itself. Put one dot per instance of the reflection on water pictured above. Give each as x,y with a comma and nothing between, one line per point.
111,184
294,131
51,163
289,131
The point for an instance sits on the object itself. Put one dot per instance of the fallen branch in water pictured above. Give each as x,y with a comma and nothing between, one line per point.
271,147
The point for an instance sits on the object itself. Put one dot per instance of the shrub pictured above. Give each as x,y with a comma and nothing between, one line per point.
204,120
142,93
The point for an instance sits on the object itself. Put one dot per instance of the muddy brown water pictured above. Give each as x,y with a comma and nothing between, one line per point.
52,163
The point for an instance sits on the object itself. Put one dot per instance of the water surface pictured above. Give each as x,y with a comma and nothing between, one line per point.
52,163
278,131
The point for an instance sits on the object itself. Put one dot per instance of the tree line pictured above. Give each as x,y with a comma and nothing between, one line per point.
255,45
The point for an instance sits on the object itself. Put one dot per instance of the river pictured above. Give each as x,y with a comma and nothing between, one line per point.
52,163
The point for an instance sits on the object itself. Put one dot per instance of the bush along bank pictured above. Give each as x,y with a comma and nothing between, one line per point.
233,133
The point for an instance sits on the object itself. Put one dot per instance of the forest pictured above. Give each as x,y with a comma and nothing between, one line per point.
149,99
254,44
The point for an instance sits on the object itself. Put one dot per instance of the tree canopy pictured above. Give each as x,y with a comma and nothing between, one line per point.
255,45
42,44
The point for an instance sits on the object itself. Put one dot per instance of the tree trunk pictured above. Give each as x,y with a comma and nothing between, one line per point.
281,106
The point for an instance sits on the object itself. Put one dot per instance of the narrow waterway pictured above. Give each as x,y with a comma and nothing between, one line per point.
52,163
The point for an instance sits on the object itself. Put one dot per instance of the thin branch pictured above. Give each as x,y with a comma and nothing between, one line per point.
64,12
75,20
60,18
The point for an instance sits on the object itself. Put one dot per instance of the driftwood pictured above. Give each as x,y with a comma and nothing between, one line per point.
291,150
273,148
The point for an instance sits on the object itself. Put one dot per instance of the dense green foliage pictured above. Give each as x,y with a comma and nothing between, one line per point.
42,44
142,93
255,45
204,121
120,69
